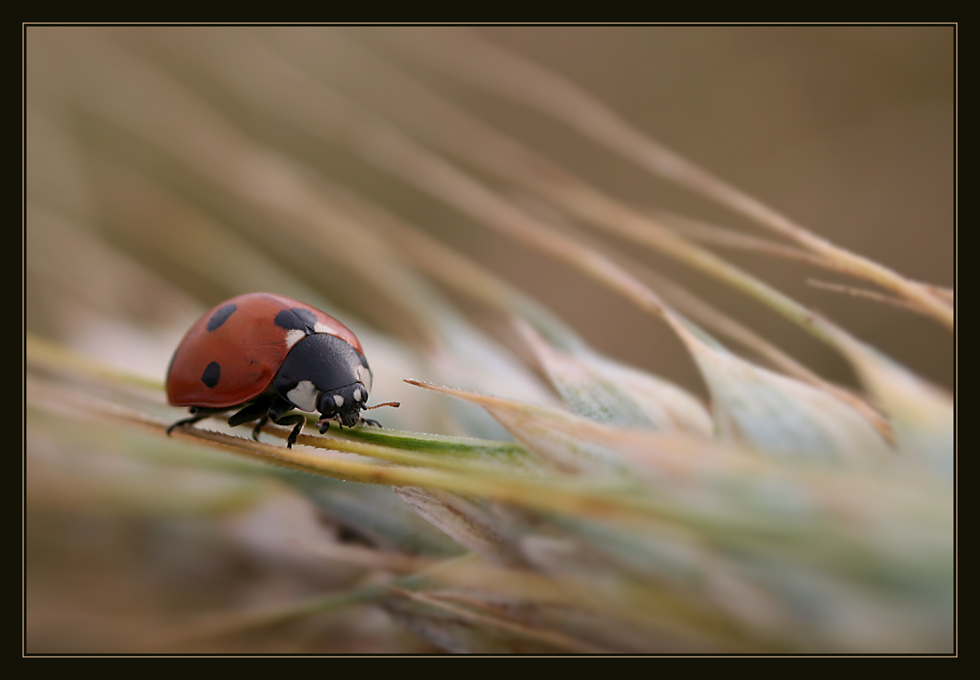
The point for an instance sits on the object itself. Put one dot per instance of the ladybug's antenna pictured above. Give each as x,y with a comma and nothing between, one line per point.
395,404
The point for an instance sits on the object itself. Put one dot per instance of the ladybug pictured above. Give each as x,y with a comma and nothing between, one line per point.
267,355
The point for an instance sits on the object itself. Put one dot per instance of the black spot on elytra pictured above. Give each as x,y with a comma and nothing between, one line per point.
297,318
211,374
220,316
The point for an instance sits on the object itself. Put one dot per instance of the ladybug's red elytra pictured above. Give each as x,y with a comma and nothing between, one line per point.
266,355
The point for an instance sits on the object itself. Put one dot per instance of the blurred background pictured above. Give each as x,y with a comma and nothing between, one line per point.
146,205
847,130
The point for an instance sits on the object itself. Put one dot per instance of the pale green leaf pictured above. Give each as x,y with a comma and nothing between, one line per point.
610,392
921,414
555,435
777,415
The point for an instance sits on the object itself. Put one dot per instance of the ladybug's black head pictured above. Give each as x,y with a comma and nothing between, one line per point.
324,373
343,404
310,373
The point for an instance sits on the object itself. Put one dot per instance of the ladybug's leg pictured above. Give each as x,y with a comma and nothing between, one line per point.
277,414
196,415
371,422
258,410
258,427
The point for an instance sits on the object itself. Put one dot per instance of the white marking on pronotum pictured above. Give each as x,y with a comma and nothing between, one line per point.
338,400
303,396
357,394
364,377
323,328
294,336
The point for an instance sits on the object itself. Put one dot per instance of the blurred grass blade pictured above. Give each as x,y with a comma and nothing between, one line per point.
463,629
462,274
486,65
466,522
865,294
374,514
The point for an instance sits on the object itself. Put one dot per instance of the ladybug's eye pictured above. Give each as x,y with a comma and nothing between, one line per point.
332,402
